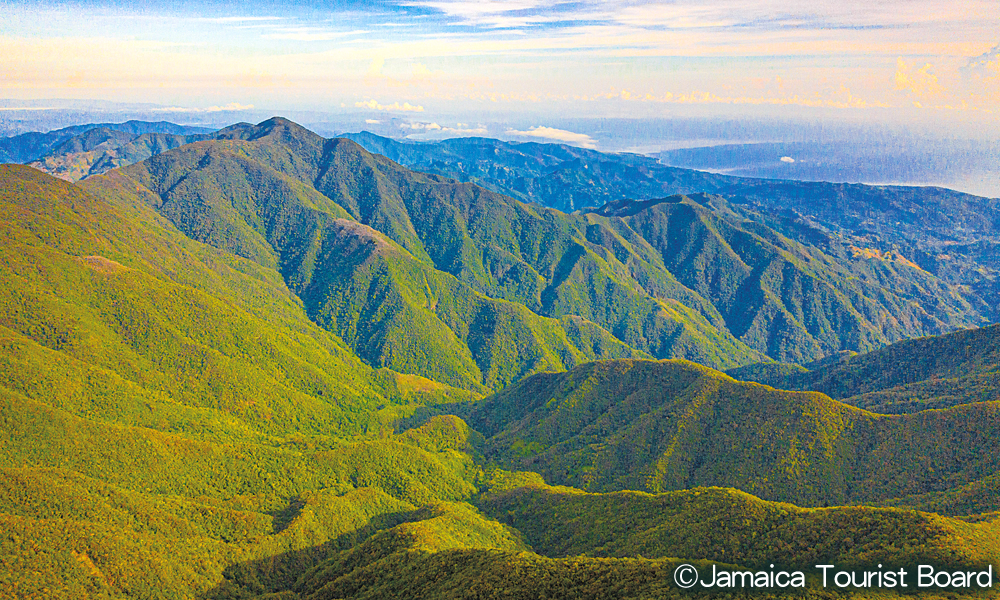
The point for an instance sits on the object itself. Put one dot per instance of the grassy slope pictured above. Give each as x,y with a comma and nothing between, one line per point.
673,425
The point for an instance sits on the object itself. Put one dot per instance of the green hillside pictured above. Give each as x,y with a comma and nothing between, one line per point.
681,278
722,524
906,377
619,546
109,314
275,199
670,425
394,310
253,367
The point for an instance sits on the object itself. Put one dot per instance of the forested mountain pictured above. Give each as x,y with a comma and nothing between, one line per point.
953,235
28,147
101,149
257,366
657,426
683,278
909,376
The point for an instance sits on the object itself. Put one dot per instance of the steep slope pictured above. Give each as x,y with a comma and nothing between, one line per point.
405,315
272,193
673,425
950,234
909,376
394,310
786,299
109,314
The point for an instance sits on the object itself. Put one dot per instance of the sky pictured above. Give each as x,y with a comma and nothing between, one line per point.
447,66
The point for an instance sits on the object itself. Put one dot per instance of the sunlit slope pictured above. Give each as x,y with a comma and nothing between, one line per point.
110,315
654,426
99,510
909,376
723,524
620,546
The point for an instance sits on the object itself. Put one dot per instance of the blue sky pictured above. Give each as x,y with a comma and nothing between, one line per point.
443,63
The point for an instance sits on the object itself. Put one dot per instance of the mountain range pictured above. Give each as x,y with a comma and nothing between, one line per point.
258,363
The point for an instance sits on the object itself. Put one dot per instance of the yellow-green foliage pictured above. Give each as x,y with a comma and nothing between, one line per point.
668,425
726,525
109,315
154,511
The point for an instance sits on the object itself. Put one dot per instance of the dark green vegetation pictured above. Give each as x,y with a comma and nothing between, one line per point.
906,377
229,371
102,149
681,278
952,235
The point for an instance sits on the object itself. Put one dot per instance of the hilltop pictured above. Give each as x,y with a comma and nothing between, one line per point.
905,377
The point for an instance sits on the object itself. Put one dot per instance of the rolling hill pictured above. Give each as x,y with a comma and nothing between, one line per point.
905,377
672,425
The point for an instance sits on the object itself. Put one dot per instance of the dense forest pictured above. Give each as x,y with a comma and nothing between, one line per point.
257,363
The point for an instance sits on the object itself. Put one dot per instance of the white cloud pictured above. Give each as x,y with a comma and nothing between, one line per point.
490,13
461,129
209,109
421,126
372,121
787,159
310,34
561,135
395,106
